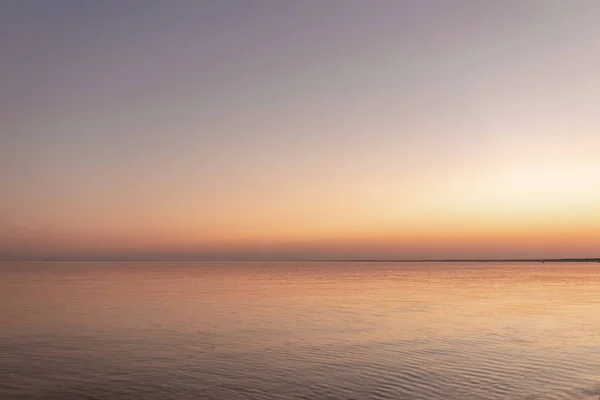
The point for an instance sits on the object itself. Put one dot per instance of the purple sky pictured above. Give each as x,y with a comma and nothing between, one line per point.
236,128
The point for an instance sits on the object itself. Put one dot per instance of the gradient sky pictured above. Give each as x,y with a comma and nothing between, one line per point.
287,129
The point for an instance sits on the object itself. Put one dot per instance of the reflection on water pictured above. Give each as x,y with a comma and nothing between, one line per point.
299,331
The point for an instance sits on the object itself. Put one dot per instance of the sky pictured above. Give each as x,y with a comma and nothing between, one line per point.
280,129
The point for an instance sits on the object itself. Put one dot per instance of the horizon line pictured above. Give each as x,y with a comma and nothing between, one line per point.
437,260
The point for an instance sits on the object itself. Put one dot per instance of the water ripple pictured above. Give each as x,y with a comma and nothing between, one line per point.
299,331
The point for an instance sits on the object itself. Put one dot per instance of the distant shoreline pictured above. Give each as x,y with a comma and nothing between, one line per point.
482,260
442,260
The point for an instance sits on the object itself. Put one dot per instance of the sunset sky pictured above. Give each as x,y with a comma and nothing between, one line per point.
280,129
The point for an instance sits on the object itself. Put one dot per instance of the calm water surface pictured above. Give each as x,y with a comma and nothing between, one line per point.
224,331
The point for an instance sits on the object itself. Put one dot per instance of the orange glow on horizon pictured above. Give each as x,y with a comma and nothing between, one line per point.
393,130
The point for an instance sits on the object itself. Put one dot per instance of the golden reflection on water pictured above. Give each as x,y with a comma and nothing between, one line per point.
494,317
391,300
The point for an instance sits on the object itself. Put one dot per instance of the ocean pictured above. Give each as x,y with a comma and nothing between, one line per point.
299,330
